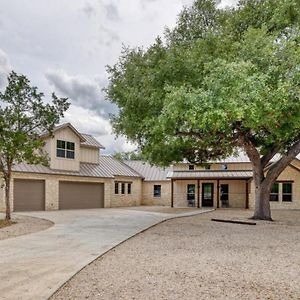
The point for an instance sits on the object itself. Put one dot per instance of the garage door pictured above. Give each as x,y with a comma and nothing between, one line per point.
29,195
77,195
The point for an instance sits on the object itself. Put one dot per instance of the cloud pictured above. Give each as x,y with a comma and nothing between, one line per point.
82,92
102,8
5,68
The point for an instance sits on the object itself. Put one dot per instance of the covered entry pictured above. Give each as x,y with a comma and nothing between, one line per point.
29,195
80,195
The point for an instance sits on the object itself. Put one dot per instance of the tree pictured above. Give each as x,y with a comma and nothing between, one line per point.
220,81
23,115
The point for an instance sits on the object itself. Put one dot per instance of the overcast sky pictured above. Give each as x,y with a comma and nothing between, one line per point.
64,46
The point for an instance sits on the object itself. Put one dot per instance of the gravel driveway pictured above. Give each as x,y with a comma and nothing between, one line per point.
195,258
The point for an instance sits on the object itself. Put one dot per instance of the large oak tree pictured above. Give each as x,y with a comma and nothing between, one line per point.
221,80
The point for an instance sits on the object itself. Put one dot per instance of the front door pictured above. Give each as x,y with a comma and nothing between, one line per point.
207,194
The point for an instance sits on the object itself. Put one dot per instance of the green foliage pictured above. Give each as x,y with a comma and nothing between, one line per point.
23,116
219,78
128,156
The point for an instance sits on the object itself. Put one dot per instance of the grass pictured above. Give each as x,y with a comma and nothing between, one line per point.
5,223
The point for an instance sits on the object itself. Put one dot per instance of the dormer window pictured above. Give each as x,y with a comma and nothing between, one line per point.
224,167
65,149
191,167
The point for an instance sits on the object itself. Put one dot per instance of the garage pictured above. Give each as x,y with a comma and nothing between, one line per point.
80,195
29,195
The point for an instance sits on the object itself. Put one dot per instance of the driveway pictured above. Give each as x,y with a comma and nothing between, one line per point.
34,266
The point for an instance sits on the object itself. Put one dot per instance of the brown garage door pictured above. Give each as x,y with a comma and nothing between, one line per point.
29,195
77,195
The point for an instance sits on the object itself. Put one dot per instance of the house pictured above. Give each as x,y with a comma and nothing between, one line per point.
226,183
79,177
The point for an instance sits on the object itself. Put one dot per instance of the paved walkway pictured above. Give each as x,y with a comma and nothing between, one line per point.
34,266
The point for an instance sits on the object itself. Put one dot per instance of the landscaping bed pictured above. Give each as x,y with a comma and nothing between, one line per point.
20,225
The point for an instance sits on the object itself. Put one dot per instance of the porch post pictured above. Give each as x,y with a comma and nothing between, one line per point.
218,193
247,194
198,193
172,192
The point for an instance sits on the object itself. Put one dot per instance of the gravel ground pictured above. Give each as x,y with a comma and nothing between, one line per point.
23,225
195,258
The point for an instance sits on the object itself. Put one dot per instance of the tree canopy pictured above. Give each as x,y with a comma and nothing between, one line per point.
23,117
217,77
221,80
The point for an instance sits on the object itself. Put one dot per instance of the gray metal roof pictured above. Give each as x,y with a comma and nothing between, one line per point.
90,141
108,167
210,174
150,173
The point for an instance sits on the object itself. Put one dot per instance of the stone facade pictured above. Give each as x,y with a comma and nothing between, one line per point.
148,193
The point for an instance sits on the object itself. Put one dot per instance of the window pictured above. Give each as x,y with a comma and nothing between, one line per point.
274,196
207,167
191,167
129,188
287,192
224,167
157,191
123,188
65,149
116,188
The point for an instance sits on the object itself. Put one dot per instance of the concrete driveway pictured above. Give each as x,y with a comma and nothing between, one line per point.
34,266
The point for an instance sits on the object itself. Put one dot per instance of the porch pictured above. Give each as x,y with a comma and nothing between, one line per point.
210,189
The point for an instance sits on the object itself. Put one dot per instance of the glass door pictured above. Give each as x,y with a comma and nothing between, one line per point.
191,191
207,194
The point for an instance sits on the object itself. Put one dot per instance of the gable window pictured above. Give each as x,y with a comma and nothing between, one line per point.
157,191
274,196
287,192
129,188
65,149
116,188
191,167
123,188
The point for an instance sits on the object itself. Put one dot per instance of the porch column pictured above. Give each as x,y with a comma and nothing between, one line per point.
198,193
172,192
247,195
218,193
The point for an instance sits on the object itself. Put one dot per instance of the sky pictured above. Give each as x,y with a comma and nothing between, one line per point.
65,46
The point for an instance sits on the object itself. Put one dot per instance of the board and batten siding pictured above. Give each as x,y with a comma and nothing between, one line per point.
58,163
89,155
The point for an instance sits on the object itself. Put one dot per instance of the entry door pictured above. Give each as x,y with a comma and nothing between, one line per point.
191,188
225,195
207,194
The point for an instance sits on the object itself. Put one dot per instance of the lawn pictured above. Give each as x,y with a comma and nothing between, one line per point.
195,258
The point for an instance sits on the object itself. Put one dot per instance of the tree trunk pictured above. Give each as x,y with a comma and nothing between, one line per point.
262,209
7,197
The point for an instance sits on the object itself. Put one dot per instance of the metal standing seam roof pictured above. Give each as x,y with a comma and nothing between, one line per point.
90,141
108,167
209,174
150,173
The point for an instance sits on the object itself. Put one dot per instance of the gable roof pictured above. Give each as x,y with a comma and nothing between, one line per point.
62,126
150,173
108,167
